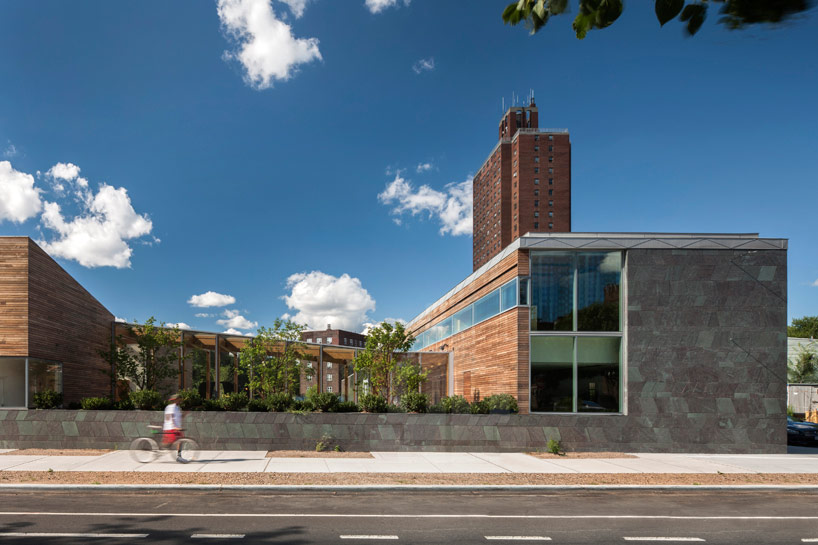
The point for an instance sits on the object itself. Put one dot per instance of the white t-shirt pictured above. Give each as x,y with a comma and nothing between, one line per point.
173,417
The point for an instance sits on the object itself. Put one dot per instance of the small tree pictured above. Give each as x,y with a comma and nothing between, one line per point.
804,368
409,376
377,361
272,359
806,327
151,357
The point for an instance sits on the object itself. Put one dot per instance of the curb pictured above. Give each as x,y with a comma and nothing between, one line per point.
406,487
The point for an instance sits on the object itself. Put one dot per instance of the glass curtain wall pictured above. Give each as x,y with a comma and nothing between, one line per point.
576,324
12,382
17,387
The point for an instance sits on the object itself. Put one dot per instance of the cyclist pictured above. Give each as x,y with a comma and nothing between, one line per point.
172,426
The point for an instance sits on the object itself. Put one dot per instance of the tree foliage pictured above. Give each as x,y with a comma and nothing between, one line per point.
148,356
735,14
377,362
272,359
804,368
408,376
806,327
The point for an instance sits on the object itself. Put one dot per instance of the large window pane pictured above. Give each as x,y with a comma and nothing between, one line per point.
508,296
462,320
552,374
598,374
487,307
598,276
12,382
43,376
552,291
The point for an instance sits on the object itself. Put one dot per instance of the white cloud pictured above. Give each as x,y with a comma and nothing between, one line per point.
120,320
204,315
232,331
19,199
266,46
377,6
322,299
64,171
297,7
211,299
180,325
424,65
815,284
97,236
453,208
369,325
424,167
10,151
232,319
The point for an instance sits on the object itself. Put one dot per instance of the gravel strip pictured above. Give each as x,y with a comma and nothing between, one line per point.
56,452
701,479
316,454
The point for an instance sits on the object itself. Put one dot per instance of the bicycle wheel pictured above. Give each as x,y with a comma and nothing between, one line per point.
188,450
143,449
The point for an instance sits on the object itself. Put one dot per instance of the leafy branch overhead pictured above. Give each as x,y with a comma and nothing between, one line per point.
593,14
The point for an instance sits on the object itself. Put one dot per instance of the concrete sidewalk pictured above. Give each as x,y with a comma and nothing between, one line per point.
420,462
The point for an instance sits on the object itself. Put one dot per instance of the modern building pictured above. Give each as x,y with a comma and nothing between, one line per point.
524,186
629,341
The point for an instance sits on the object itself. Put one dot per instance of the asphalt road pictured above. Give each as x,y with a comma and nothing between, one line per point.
598,517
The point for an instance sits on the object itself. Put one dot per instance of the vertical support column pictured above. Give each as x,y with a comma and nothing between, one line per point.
320,374
236,372
182,361
113,365
25,399
207,375
218,364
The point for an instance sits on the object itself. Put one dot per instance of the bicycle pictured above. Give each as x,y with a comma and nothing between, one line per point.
146,449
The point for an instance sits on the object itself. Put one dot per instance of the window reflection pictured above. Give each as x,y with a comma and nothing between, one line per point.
598,374
43,376
552,374
598,291
552,291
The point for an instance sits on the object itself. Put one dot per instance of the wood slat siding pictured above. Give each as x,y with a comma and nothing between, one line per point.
67,324
490,357
13,296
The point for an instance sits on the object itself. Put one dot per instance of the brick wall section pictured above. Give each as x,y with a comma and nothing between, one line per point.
13,296
67,324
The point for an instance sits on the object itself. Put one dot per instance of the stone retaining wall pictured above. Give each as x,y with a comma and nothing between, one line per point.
379,432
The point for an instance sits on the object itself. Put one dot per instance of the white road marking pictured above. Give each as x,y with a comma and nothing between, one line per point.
406,516
810,539
518,538
662,539
368,537
57,534
217,536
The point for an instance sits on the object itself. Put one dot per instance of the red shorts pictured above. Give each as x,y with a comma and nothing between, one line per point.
169,436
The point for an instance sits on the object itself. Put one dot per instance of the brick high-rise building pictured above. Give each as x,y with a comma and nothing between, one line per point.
524,186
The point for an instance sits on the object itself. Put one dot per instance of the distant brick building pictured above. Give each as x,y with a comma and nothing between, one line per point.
333,373
524,186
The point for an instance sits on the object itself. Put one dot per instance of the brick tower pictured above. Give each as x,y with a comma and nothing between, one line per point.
524,186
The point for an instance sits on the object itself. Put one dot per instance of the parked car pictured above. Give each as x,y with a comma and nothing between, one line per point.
801,433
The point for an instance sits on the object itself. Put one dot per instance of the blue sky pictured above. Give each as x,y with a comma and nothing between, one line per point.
240,147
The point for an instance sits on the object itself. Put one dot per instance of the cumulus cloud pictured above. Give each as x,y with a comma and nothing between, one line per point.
19,199
424,167
265,45
424,65
98,235
377,6
452,207
211,299
815,284
120,320
322,299
10,151
297,7
64,171
369,325
204,315
233,331
234,320
180,325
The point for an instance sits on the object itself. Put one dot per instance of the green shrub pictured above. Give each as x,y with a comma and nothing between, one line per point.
480,407
437,408
47,399
347,407
394,408
124,404
502,402
96,403
279,403
370,403
790,411
233,402
211,405
455,404
299,405
189,399
74,405
257,405
147,400
414,402
323,444
325,402
554,446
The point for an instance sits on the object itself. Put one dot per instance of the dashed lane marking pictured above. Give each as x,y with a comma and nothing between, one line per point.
518,538
66,534
368,537
217,536
663,539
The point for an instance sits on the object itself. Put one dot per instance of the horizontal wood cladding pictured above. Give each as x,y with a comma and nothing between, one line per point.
486,357
67,324
513,265
14,296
